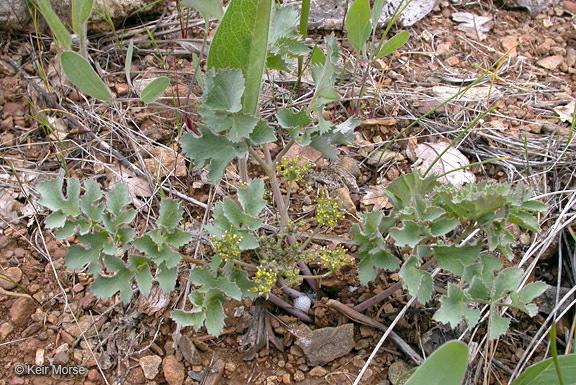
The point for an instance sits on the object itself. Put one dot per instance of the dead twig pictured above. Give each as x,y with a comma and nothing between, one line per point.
365,320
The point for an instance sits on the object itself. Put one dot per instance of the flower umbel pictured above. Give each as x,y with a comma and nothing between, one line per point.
293,169
228,248
328,211
334,260
264,280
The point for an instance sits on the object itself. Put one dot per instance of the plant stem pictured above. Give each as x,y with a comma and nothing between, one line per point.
555,353
304,15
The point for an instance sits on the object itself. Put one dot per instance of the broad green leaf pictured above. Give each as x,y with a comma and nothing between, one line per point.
118,199
106,287
202,277
223,90
78,257
455,308
544,372
531,291
262,133
207,8
83,76
90,201
193,318
395,42
51,196
178,238
232,212
376,12
289,119
55,220
154,90
498,325
58,29
81,10
128,63
322,144
455,258
251,197
409,235
358,24
170,213
214,312
506,281
166,277
209,148
446,366
418,282
241,42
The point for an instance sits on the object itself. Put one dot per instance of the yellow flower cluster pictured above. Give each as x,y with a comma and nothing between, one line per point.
293,169
334,260
228,248
264,280
328,211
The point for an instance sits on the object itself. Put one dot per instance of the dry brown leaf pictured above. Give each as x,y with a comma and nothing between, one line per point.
375,196
426,154
474,26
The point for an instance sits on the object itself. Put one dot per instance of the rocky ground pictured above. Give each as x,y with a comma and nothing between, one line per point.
48,316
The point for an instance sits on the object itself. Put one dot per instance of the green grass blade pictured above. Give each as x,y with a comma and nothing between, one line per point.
393,44
58,29
128,63
83,76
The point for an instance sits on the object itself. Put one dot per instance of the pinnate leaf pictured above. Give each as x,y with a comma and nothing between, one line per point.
455,308
170,213
251,197
418,282
52,197
498,325
223,90
215,315
166,276
209,148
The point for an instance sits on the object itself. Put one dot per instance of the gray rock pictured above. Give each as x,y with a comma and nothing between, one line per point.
150,365
329,14
15,14
322,346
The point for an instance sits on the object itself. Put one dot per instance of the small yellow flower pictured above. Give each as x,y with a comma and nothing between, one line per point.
228,248
328,211
264,280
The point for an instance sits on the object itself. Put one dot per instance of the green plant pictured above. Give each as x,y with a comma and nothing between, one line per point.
447,366
109,246
434,223
361,24
253,37
76,66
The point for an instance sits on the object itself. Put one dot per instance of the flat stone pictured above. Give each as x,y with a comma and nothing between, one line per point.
21,311
84,325
318,371
396,371
189,351
551,62
173,370
14,275
150,365
322,346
